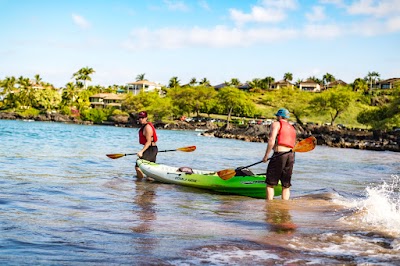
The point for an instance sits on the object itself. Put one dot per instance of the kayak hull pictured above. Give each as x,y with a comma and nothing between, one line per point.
251,186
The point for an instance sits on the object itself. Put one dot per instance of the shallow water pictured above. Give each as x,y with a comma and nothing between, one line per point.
62,201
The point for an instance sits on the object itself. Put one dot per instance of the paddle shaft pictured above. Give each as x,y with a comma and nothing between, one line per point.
263,161
158,151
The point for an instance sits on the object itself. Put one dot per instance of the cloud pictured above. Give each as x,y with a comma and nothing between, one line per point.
322,31
393,24
269,11
280,4
374,8
258,14
203,4
176,5
318,14
219,36
80,21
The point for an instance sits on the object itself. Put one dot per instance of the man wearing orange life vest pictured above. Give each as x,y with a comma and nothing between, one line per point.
148,138
282,138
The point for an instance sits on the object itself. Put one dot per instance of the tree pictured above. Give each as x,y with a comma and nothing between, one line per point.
69,94
360,85
140,77
193,81
296,101
234,100
234,82
288,76
327,78
372,77
174,82
315,79
204,82
38,79
267,82
151,102
83,74
383,117
333,102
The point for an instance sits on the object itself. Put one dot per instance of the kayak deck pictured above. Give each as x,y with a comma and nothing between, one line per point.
251,186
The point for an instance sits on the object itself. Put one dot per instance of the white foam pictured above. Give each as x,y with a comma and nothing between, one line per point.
380,209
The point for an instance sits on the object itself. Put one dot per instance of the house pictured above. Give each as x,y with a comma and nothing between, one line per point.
310,85
281,84
335,83
142,85
244,86
388,83
220,86
102,100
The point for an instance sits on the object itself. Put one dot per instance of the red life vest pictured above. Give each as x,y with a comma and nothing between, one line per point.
286,135
142,138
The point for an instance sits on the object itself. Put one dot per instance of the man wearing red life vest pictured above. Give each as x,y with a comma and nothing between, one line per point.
148,138
282,138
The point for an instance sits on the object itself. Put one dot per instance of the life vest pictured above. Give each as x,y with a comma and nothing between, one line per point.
142,137
286,135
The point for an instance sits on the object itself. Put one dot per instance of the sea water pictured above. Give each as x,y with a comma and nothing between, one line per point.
63,201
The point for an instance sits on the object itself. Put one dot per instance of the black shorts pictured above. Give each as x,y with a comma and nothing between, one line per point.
280,168
150,154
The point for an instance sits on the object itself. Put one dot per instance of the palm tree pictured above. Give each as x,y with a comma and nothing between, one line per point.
234,82
327,78
70,94
140,77
298,81
38,79
204,82
360,84
268,81
372,77
84,75
313,78
174,82
288,76
193,81
8,85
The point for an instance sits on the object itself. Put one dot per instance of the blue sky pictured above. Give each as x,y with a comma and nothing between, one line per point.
214,39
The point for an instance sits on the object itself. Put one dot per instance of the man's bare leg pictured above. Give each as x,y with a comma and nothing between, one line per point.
270,192
285,193
139,173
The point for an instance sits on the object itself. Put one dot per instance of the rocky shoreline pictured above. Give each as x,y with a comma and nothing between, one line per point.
326,135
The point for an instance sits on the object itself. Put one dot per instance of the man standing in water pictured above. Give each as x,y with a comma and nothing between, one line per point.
148,138
282,139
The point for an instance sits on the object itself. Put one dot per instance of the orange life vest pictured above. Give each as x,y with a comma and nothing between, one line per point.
286,135
142,137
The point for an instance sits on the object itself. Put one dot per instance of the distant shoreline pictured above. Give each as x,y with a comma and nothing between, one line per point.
377,140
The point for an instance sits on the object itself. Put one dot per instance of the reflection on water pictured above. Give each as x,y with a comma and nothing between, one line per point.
277,215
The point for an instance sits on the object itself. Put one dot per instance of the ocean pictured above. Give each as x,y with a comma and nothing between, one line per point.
64,202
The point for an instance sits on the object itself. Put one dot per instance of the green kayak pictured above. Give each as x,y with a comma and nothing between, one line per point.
251,186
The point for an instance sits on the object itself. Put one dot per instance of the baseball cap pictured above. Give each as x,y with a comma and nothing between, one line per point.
142,114
283,113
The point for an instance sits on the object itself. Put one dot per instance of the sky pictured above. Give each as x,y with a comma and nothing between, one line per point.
214,39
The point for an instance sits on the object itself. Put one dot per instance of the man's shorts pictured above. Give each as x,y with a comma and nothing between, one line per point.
150,154
280,168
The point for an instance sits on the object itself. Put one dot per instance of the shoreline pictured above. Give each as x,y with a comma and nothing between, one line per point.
377,140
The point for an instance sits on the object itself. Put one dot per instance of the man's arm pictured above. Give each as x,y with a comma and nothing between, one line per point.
147,132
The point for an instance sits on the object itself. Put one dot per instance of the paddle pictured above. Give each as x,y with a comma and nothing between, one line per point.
304,145
119,155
